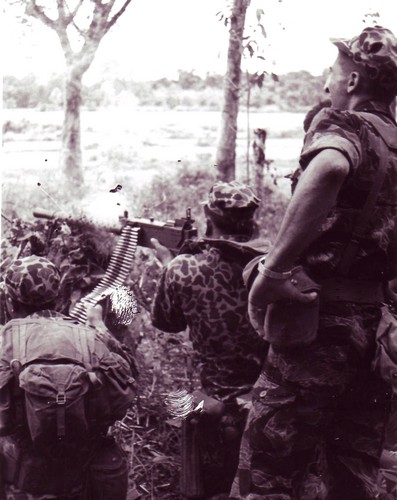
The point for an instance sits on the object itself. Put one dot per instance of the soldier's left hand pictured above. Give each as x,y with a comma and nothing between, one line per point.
266,291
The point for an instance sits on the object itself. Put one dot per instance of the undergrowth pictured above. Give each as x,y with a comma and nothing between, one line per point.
165,361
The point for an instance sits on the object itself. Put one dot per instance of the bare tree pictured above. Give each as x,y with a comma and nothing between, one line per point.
226,153
80,26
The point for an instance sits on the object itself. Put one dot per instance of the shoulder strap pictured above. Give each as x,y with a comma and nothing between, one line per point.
360,227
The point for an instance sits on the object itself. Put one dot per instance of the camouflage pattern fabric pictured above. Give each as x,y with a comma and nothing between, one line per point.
346,132
206,293
375,49
319,413
317,424
228,195
32,280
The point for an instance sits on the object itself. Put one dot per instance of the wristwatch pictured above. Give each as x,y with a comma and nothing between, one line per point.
265,271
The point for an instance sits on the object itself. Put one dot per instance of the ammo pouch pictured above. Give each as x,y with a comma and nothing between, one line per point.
384,363
290,323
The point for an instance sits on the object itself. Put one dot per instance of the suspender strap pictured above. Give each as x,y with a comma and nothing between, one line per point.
360,227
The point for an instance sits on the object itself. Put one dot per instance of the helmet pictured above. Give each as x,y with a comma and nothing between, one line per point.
32,280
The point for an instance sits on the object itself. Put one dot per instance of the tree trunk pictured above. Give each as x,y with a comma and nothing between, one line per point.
71,163
226,153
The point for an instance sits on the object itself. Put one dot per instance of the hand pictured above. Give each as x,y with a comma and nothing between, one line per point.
265,291
162,253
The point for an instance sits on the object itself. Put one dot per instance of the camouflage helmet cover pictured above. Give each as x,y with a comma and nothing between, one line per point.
375,49
32,280
228,195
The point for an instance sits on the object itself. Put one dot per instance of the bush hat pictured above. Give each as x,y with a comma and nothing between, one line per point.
32,280
224,196
375,49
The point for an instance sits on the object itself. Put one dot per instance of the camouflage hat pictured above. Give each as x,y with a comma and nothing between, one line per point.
376,50
226,195
32,280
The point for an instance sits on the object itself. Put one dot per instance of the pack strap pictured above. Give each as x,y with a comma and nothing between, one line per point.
360,227
82,339
61,403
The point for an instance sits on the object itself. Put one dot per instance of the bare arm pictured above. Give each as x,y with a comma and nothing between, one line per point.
314,197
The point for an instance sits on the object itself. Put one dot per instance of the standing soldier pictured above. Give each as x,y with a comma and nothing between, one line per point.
316,427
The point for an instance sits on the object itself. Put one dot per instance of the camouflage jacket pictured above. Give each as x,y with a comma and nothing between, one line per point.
347,132
205,292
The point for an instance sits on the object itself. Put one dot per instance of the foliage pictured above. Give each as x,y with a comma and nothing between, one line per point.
166,361
293,92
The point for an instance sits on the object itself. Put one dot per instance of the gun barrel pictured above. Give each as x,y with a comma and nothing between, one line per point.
170,234
47,214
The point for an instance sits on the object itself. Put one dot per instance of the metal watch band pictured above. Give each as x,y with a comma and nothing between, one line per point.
265,271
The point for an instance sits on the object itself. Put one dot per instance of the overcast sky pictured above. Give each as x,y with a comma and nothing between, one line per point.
156,38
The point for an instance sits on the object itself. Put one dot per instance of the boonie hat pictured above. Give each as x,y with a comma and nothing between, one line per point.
376,50
32,280
227,195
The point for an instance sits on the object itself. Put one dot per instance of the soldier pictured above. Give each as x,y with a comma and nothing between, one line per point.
316,427
80,462
204,291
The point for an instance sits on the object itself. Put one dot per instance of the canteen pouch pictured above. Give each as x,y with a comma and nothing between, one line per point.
384,363
290,323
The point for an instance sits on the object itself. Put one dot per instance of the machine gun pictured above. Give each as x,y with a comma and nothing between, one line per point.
171,233
133,232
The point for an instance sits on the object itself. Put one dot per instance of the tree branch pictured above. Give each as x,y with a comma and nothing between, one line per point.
32,9
112,21
72,14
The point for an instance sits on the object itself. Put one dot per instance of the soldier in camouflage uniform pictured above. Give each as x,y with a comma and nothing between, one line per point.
317,423
204,291
31,287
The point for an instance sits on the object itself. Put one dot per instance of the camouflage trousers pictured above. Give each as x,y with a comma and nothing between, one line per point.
316,428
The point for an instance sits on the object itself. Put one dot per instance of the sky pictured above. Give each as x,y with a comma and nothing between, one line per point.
156,38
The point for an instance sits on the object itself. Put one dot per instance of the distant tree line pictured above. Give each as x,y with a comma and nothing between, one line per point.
295,91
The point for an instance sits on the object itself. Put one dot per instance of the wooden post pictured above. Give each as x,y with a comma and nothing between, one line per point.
258,147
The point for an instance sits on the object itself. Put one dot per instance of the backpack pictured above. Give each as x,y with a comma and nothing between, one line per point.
66,381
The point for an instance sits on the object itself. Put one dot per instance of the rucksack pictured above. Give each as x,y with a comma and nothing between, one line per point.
67,382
